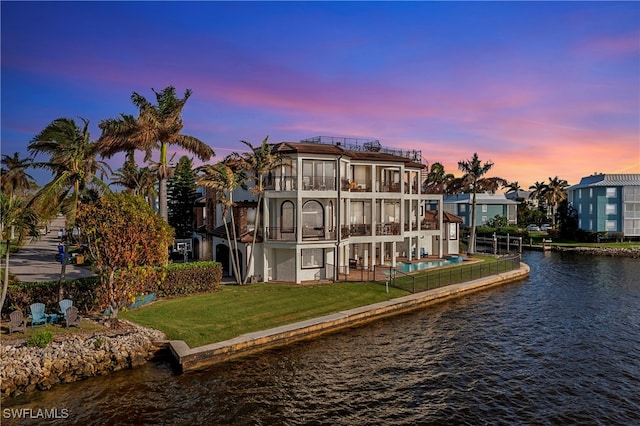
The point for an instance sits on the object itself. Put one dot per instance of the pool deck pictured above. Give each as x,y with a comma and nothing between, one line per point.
190,359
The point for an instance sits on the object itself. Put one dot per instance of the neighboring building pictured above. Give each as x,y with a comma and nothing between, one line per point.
488,206
608,202
333,206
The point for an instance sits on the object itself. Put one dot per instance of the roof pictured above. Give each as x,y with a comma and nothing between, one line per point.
608,180
246,238
336,150
481,198
446,216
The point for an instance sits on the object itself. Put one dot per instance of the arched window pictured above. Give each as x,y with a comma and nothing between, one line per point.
288,216
312,214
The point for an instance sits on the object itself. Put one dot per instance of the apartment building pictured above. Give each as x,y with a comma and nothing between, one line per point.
335,205
608,202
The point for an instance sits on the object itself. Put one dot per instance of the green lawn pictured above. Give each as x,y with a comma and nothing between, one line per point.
234,310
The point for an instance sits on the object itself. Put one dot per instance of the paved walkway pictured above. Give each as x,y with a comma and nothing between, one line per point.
36,261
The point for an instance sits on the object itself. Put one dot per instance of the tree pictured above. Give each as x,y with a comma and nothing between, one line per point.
136,180
224,177
473,182
258,162
156,127
182,195
554,194
122,232
19,221
14,178
438,180
74,164
513,187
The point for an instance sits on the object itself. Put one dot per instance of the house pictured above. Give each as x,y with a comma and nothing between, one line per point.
607,202
337,204
488,206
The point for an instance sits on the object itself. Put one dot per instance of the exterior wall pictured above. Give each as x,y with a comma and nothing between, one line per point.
604,206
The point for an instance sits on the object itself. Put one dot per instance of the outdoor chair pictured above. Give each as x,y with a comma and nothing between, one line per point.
17,322
64,305
423,252
38,317
72,317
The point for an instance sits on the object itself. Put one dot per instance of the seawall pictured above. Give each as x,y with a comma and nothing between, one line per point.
190,359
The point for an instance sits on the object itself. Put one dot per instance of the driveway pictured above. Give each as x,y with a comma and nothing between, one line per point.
36,261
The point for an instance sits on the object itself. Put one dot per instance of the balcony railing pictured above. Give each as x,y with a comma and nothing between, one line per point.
281,183
314,183
281,234
360,230
384,186
318,233
429,226
388,229
308,233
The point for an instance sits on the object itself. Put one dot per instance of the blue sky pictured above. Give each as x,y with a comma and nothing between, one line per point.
542,89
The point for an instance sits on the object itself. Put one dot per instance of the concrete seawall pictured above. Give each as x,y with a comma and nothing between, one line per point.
197,358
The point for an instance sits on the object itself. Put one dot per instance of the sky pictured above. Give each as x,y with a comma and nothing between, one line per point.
541,89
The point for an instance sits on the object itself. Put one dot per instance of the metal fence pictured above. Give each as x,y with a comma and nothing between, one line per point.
428,280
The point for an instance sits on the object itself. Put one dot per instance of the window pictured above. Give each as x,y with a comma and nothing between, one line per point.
463,208
590,192
484,220
610,225
312,258
287,217
484,208
611,193
312,214
579,193
590,208
610,209
453,231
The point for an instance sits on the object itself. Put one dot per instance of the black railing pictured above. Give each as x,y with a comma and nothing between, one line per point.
281,234
427,280
316,183
281,183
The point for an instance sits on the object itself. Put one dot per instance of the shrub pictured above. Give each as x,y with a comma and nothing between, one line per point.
40,339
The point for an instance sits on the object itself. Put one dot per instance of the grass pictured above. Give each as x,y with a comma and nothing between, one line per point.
234,310
86,326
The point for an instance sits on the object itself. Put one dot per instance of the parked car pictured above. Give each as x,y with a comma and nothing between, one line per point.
545,227
533,227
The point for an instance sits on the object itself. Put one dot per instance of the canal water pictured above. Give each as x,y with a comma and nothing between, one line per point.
561,348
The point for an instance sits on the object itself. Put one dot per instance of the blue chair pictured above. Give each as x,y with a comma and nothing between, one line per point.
38,317
64,305
423,252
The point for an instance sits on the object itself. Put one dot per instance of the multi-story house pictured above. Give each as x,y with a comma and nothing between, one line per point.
488,206
335,205
608,202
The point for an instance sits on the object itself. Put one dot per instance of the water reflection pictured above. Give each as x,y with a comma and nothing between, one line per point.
559,348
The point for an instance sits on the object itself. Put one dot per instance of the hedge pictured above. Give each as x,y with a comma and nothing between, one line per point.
173,280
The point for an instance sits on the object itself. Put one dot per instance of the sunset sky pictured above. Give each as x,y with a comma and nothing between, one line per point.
542,89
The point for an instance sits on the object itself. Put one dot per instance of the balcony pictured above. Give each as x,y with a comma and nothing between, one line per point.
388,229
314,183
386,186
280,183
360,230
317,233
281,234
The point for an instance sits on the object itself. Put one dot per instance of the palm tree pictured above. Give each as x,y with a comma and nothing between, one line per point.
224,177
14,178
513,187
437,180
74,164
474,182
538,190
16,220
554,194
258,162
136,180
156,127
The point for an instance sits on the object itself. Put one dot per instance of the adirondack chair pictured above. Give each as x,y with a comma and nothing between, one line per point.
64,305
38,317
17,322
72,317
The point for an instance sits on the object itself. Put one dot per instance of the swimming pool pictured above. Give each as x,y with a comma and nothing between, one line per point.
407,267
